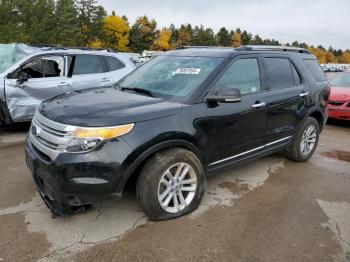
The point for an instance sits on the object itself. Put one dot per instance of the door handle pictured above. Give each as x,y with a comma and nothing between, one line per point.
105,80
258,105
302,94
63,84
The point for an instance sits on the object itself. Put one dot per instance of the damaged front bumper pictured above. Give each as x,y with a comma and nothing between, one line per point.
62,186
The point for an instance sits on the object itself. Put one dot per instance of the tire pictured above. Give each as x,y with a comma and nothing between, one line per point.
154,183
296,151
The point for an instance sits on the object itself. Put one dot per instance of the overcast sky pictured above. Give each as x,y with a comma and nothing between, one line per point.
314,22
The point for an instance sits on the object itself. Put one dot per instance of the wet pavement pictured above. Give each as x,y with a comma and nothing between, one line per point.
271,209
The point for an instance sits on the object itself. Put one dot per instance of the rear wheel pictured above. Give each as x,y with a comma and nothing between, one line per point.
305,141
171,184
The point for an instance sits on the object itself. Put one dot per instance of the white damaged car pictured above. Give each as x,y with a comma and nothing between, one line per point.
30,75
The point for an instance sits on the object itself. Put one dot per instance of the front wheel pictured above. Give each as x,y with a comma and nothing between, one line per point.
305,141
171,184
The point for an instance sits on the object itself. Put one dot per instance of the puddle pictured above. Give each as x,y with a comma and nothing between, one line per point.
235,187
337,154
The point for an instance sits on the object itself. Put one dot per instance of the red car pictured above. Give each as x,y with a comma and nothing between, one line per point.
339,98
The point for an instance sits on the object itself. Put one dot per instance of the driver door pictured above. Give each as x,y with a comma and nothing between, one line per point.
236,130
33,82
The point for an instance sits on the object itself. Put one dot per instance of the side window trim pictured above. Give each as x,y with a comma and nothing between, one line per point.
212,88
298,74
105,65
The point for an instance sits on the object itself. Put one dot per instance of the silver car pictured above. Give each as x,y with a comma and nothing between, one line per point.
29,76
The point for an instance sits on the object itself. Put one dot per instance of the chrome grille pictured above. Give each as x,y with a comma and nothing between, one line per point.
49,137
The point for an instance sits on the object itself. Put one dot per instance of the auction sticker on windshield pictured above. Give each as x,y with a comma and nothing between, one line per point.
188,71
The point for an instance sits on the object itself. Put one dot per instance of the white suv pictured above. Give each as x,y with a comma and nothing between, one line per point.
43,73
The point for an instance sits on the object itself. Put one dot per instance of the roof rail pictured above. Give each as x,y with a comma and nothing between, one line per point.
92,49
202,46
272,48
57,47
49,47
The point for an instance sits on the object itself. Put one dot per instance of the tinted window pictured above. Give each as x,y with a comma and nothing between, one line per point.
114,63
53,66
88,64
242,74
280,72
315,69
34,69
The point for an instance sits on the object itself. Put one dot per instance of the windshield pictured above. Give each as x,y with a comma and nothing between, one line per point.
341,80
171,77
11,54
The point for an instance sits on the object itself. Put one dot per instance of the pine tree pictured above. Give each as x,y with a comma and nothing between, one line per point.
67,29
246,38
91,18
223,37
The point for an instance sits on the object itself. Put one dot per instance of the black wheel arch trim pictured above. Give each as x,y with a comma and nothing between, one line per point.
152,150
319,115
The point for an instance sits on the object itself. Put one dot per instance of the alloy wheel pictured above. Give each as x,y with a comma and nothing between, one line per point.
177,187
308,140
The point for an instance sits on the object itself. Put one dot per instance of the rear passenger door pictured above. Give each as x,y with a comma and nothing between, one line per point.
286,100
89,71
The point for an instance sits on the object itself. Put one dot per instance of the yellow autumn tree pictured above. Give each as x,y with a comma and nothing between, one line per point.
116,33
163,40
236,39
96,44
319,53
345,57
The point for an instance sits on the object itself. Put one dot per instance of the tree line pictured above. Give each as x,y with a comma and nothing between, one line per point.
84,23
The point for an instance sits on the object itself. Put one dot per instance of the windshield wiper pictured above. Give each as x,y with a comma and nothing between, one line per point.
138,90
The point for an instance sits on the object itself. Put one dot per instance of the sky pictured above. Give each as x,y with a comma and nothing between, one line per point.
318,22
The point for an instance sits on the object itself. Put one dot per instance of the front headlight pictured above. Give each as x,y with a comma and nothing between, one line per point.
87,138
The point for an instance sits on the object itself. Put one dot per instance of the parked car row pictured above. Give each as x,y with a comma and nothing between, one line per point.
334,68
30,75
168,124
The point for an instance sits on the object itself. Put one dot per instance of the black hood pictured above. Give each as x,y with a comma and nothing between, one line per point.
106,107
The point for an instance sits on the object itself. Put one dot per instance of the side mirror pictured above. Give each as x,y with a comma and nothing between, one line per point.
23,77
225,95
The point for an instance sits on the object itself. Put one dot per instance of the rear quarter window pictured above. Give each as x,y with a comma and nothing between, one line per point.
114,63
315,69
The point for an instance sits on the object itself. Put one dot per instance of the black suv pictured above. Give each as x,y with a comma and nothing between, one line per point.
174,121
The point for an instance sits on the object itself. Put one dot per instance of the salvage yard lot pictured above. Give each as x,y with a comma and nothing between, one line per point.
271,209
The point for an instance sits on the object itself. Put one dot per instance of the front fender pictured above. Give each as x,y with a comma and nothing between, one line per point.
152,150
